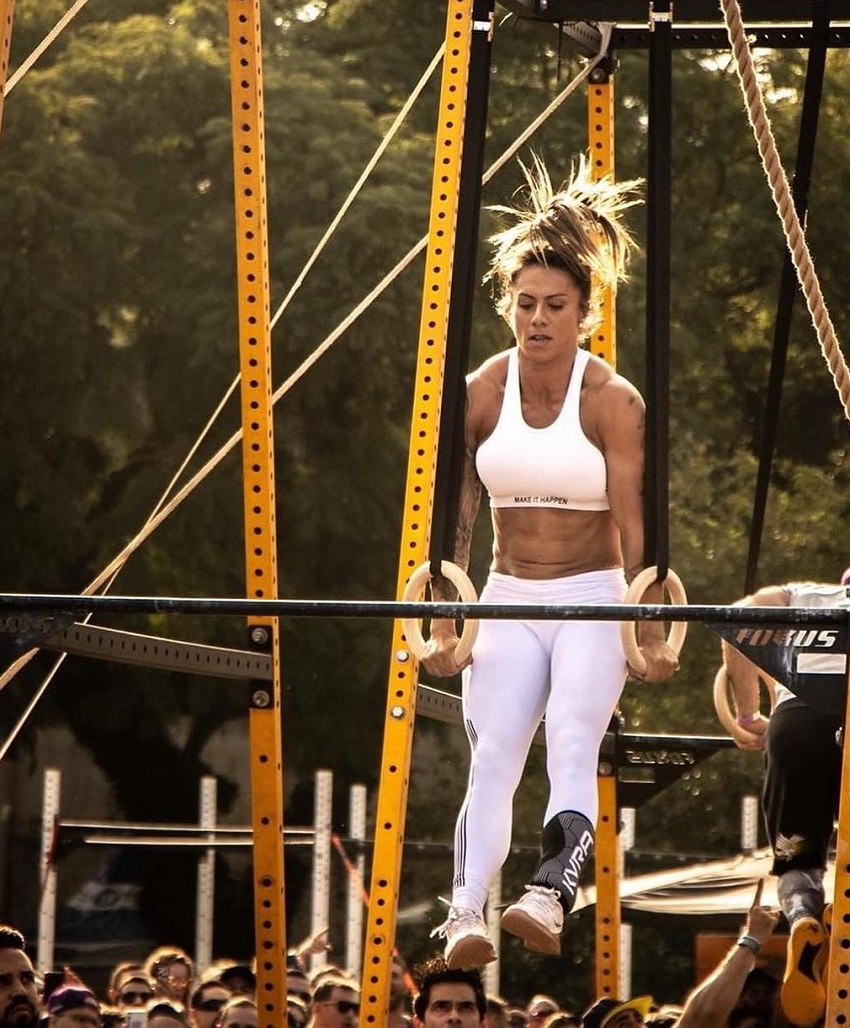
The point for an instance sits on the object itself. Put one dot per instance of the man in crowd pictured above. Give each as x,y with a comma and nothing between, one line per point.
18,993
336,1004
206,1002
73,1006
449,997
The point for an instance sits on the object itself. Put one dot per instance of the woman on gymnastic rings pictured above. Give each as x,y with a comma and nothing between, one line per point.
555,437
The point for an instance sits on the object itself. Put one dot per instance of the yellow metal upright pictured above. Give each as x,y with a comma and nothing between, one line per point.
249,174
7,17
600,145
416,529
603,343
838,978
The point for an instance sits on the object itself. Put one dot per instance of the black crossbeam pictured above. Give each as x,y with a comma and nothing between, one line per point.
685,12
12,604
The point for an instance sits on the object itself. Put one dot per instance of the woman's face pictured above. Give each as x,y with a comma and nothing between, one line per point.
546,310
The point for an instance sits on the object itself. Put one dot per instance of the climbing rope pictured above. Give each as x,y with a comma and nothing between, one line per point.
782,197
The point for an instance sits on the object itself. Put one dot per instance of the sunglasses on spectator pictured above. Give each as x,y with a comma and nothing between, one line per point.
135,997
210,1004
343,1006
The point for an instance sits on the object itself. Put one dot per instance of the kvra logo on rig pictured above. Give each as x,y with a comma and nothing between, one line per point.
809,638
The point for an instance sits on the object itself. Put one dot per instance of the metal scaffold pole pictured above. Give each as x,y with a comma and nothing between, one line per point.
465,34
252,268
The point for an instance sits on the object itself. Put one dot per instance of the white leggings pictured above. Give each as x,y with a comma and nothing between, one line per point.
571,671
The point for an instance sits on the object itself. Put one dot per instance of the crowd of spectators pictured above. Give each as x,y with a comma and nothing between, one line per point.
166,990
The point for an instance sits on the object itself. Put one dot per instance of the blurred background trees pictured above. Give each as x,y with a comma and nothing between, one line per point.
117,320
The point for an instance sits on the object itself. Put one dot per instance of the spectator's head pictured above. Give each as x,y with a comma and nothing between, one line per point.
112,1017
497,1012
131,987
19,1000
617,1013
517,1018
73,1006
539,1008
336,1003
331,971
562,1019
167,1013
845,576
442,990
298,985
119,974
206,1002
238,1012
170,968
759,993
240,979
297,1013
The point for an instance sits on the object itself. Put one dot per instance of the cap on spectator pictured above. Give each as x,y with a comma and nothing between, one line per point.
603,1010
71,997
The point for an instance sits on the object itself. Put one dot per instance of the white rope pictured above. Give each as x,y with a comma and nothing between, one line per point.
48,41
367,171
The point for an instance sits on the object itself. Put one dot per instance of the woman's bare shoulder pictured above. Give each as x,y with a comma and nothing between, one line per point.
493,371
612,389
485,387
487,382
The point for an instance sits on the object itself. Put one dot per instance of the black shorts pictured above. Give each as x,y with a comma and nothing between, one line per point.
802,785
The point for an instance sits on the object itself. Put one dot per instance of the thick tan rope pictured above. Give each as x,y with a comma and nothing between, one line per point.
782,197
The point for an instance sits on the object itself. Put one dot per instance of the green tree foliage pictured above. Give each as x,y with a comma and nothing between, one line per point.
117,315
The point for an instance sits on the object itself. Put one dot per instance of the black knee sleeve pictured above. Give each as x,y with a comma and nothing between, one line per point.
565,845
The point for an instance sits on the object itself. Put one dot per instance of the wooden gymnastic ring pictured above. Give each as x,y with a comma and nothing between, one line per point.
628,629
724,710
415,590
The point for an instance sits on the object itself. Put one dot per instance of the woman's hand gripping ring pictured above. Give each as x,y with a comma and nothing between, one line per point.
628,629
415,590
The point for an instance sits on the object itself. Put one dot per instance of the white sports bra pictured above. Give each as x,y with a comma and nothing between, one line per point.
556,466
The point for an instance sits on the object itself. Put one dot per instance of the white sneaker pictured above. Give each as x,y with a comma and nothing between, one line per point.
537,918
468,942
